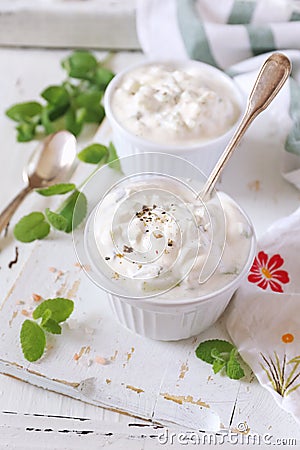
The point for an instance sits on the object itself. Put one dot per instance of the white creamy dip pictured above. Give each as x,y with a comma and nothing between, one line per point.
170,105
152,234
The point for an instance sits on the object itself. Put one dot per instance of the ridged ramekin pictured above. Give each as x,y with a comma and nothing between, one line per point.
203,154
171,320
156,317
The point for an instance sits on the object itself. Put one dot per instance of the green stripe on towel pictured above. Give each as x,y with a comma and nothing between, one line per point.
295,16
193,32
261,39
241,12
292,143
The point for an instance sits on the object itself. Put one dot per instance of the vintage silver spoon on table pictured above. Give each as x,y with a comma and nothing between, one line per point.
51,162
269,81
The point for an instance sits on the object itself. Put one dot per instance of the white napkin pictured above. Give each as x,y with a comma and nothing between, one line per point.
230,34
264,316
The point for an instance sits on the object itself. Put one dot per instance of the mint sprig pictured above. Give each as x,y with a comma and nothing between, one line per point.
70,105
51,313
223,356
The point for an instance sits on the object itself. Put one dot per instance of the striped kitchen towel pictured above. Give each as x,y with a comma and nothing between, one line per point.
236,36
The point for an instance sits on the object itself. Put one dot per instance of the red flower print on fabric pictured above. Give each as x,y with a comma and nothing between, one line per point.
264,272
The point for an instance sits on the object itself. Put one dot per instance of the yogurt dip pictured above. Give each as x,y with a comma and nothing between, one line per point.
174,105
156,238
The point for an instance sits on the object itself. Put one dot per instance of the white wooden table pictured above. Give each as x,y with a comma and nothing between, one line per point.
35,418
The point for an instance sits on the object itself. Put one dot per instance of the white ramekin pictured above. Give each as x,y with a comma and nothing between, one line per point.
171,320
203,154
154,317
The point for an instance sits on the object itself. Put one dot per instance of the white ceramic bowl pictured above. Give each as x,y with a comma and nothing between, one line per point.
155,317
203,154
168,320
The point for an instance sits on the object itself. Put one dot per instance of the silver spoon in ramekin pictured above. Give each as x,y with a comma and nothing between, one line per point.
272,76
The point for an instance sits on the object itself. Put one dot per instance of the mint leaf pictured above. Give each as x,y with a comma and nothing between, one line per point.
56,189
61,309
233,367
74,210
102,77
95,114
26,132
74,119
113,159
56,112
52,327
46,122
204,349
33,340
24,111
218,365
80,65
46,316
89,99
215,354
56,95
58,221
94,154
31,227
49,324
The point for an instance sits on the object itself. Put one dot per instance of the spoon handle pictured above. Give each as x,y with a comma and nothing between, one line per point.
8,212
270,80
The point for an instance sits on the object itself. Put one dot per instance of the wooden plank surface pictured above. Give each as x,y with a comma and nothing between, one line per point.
249,178
99,24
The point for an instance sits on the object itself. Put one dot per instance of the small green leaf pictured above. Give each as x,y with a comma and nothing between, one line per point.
89,99
33,340
74,210
22,112
74,120
233,367
102,77
46,122
94,154
58,221
55,112
31,227
95,114
216,355
113,159
52,327
56,95
56,189
49,324
204,349
46,316
80,64
26,132
218,365
61,309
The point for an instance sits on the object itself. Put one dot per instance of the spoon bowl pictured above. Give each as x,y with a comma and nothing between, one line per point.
51,162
